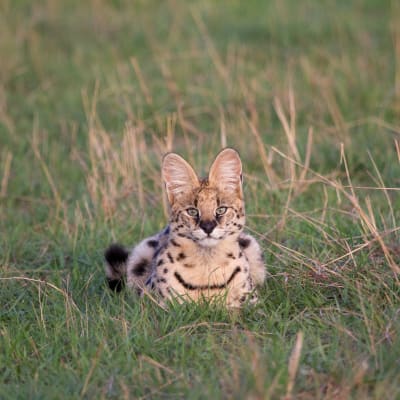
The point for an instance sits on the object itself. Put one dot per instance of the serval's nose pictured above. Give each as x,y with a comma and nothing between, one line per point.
208,226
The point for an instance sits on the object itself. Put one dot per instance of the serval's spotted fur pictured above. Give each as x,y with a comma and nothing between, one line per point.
203,252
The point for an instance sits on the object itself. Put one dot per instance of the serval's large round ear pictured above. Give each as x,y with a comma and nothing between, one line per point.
226,172
178,176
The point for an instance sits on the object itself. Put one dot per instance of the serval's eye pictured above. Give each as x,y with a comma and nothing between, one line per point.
193,212
220,210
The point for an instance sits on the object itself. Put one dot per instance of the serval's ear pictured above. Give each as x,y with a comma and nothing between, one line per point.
179,177
226,172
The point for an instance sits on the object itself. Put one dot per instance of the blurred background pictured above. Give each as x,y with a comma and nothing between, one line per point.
82,80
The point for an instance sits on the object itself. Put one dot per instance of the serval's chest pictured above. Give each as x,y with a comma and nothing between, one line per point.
184,269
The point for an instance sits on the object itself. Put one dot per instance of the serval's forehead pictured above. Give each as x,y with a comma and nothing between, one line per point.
206,195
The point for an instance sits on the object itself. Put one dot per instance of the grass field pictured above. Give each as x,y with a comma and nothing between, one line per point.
93,93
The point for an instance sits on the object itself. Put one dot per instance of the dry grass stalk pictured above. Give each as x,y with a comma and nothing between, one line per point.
366,321
316,223
302,179
50,180
360,373
171,84
39,282
269,171
368,221
133,151
145,90
6,174
93,365
336,114
293,366
115,172
397,148
215,57
295,176
384,188
222,128
189,127
288,126
396,44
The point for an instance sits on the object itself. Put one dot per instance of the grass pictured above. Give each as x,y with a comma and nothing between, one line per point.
93,93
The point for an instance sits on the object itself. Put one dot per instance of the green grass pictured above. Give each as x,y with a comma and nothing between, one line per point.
93,93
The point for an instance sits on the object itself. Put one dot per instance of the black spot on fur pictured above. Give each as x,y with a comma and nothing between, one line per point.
181,256
188,265
115,285
139,269
174,243
163,280
190,286
165,270
244,242
152,243
185,284
230,255
171,260
160,262
116,255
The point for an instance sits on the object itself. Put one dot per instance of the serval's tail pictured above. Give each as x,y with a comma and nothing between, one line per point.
116,258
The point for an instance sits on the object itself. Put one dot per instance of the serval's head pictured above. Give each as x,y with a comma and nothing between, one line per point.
205,210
